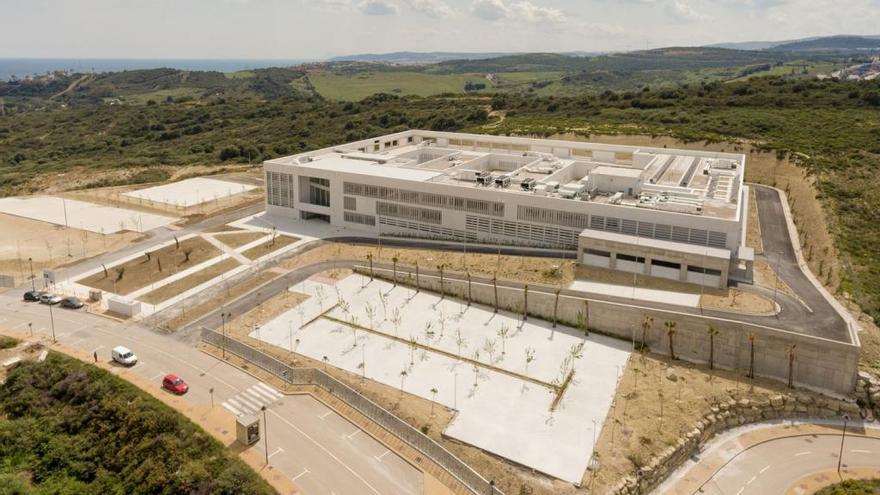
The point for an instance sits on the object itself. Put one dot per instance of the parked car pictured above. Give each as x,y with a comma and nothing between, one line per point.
123,356
175,384
71,303
49,298
33,295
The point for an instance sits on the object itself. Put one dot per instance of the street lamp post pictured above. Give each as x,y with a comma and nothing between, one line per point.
33,282
492,487
31,329
842,439
52,321
265,435
223,317
211,391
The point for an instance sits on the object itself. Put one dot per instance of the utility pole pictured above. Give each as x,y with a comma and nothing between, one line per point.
842,439
52,321
223,317
265,435
33,283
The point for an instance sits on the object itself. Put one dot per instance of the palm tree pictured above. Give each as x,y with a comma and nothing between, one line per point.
647,323
433,398
712,333
670,332
751,355
394,269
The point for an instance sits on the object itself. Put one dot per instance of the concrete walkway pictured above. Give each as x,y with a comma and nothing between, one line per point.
226,249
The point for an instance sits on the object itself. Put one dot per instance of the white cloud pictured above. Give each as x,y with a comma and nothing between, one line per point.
525,11
682,10
379,7
490,10
432,8
529,12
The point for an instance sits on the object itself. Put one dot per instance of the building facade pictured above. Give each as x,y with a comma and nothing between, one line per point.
665,213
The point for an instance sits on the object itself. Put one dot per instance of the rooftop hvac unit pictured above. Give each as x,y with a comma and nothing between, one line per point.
541,189
553,186
502,181
527,184
616,198
484,179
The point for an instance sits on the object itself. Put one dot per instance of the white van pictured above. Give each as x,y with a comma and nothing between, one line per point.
124,356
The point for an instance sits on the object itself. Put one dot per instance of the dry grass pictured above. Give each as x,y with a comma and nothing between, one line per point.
188,282
140,272
231,293
753,229
549,271
270,246
239,239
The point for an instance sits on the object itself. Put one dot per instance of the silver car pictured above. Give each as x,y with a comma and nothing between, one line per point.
49,298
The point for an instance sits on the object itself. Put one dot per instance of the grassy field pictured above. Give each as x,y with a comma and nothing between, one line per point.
188,282
345,87
68,427
143,271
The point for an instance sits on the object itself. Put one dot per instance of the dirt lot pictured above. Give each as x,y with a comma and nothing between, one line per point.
231,293
270,246
188,282
141,272
239,239
50,245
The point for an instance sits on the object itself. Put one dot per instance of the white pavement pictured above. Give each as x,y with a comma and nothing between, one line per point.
191,192
504,413
82,215
652,295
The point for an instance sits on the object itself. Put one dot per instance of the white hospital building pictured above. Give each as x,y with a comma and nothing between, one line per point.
675,214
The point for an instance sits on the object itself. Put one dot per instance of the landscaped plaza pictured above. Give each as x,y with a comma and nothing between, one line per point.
501,374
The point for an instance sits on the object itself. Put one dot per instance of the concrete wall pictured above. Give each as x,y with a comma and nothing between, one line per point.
820,364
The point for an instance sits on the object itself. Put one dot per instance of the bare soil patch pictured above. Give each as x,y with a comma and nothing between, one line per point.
141,272
188,282
239,239
270,246
50,246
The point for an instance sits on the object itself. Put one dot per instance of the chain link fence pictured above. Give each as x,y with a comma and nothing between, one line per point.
312,376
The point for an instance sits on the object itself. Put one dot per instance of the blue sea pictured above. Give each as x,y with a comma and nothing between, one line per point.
21,67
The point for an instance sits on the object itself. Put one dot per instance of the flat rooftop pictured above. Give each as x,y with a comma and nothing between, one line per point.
681,181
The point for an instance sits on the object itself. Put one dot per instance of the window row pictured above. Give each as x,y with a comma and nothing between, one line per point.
494,208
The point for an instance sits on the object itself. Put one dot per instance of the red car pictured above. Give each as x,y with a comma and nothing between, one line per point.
175,384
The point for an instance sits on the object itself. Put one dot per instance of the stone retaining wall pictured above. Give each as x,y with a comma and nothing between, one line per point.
728,415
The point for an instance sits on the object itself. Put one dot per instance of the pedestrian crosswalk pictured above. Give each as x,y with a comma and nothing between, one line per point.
252,400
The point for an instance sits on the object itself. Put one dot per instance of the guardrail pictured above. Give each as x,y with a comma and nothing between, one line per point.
403,430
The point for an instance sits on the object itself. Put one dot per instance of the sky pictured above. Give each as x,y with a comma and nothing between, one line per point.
316,29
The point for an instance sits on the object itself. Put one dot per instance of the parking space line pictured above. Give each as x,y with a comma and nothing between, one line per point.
353,434
322,416
304,472
277,451
380,457
806,452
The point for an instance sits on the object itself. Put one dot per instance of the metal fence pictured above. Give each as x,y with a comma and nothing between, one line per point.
312,376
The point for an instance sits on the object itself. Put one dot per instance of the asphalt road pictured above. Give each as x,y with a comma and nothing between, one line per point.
821,320
320,450
776,465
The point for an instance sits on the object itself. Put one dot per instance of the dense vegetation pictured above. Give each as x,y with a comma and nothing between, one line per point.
71,428
852,487
831,127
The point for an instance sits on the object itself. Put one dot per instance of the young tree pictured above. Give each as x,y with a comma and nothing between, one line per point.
460,341
575,352
670,332
394,269
525,306
647,323
370,259
712,332
489,347
476,367
429,331
396,320
186,254
442,291
503,332
383,300
371,313
319,294
120,272
176,243
468,288
148,255
413,343
442,320
495,287
530,356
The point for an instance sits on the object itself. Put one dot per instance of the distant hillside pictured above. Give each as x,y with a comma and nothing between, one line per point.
757,45
831,43
415,57
673,58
